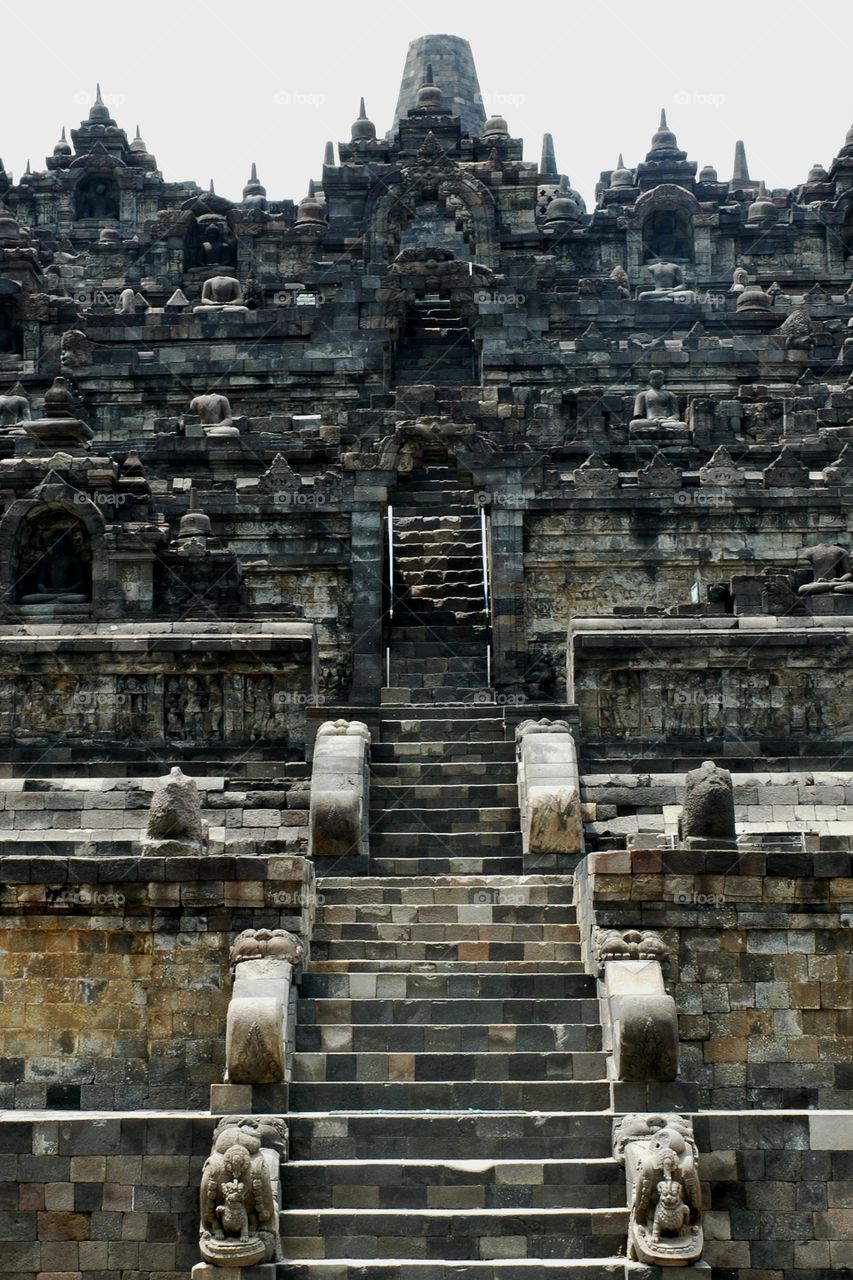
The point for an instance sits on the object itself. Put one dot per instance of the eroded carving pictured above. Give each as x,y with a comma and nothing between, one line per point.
661,1159
240,1194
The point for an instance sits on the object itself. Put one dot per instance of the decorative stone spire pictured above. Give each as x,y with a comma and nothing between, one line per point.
310,213
430,99
495,127
63,146
329,155
254,194
665,161
548,162
740,174
363,130
664,139
99,130
621,177
762,210
98,112
567,205
138,154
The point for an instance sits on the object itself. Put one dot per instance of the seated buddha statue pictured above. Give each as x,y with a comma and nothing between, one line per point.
669,284
656,409
221,293
62,577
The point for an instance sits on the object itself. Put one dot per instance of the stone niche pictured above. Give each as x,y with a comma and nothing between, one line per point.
179,684
674,679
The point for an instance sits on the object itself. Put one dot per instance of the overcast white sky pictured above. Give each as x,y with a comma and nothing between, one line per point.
215,85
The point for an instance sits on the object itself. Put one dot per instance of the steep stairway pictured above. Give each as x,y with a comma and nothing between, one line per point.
449,1115
438,636
435,347
444,795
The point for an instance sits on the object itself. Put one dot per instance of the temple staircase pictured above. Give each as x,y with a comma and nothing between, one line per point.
449,1104
435,347
438,635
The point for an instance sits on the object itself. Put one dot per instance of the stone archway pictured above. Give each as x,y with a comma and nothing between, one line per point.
435,182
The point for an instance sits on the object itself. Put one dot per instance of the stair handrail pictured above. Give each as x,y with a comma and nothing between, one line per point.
487,595
390,520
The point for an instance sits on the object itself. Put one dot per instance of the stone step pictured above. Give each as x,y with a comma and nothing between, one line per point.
439,559
459,597
455,695
438,649
469,674
375,892
523,981
403,817
615,1268
453,1133
413,616
411,1035
441,520
474,744
446,1066
439,1234
432,1095
487,907
412,545
463,679
443,866
447,844
479,796
398,804
446,659
449,635
423,1011
455,932
446,1184
467,949
441,773
466,571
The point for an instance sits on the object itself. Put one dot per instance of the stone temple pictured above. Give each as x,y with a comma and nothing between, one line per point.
425,712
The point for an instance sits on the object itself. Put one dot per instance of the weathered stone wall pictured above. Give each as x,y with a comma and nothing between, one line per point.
746,680
184,683
762,966
111,1196
102,1197
779,1202
115,978
811,809
648,551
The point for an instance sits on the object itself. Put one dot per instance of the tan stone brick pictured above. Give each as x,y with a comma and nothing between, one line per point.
725,1050
59,1197
89,1169
61,1255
